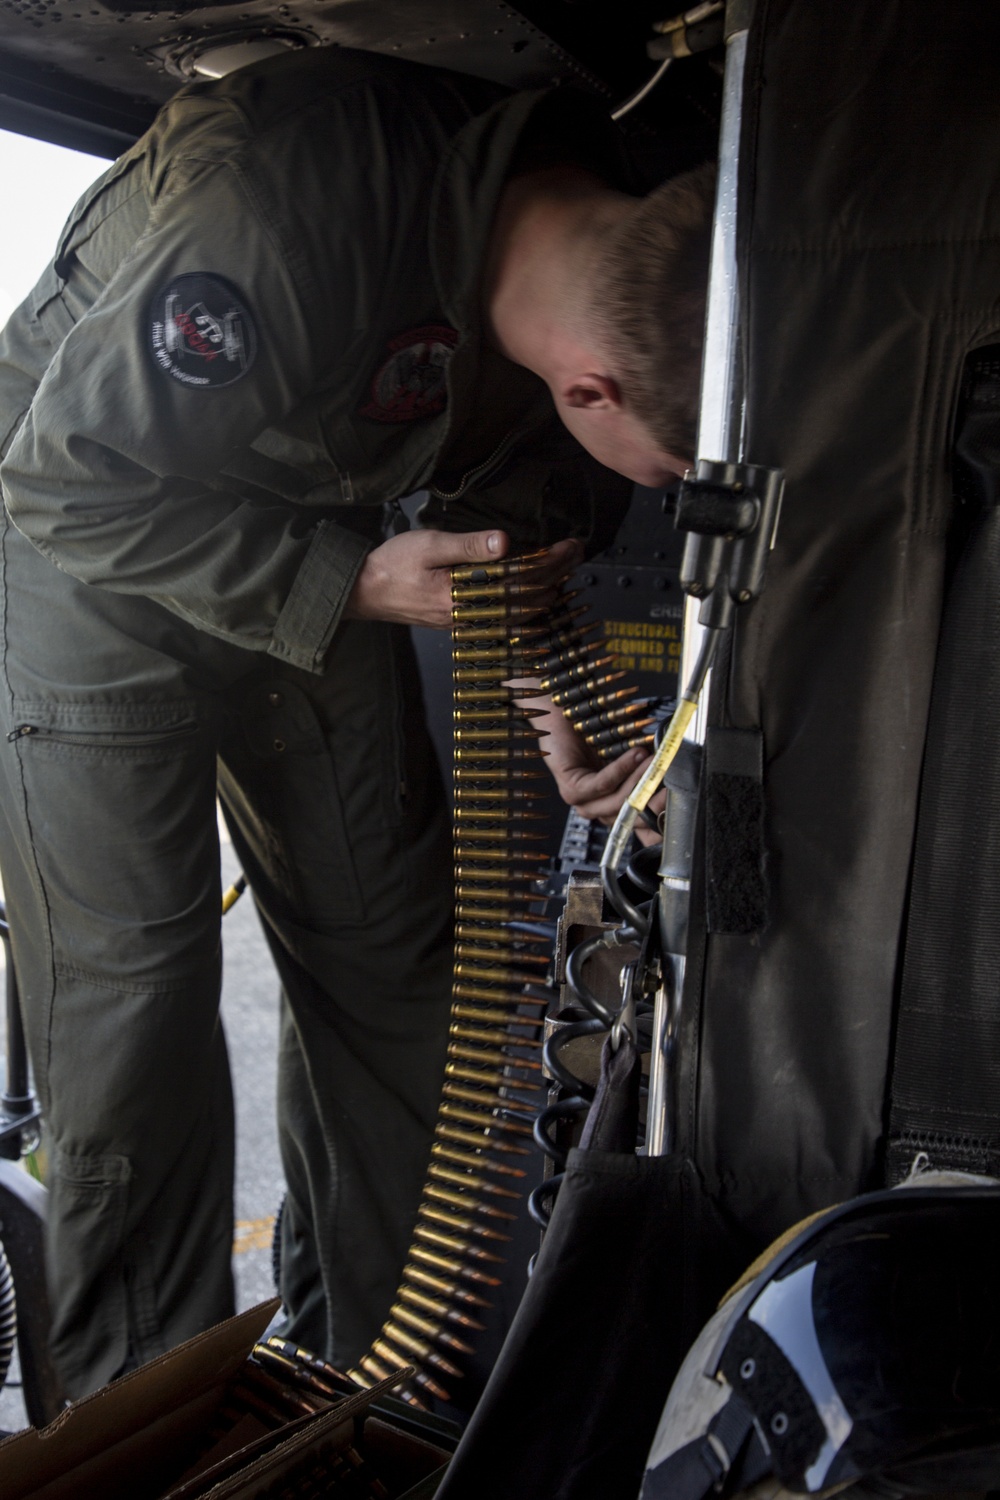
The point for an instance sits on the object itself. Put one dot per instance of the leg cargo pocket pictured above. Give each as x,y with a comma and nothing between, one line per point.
89,1202
278,784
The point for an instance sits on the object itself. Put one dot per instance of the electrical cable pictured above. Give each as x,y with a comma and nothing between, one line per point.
641,794
574,971
553,1046
640,94
642,869
541,1201
551,1116
578,1102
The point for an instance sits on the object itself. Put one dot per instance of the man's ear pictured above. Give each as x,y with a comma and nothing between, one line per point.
592,393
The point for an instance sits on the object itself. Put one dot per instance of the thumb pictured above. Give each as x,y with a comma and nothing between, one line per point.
445,549
483,546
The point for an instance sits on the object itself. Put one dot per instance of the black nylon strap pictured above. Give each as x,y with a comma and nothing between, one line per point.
689,1474
703,1465
945,1098
613,1121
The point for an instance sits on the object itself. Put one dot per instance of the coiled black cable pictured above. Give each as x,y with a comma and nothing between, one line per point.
643,867
602,1018
555,1114
554,1044
574,971
8,1315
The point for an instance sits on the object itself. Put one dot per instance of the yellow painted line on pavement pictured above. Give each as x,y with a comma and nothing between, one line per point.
253,1234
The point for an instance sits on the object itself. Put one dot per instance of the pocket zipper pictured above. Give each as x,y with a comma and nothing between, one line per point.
109,739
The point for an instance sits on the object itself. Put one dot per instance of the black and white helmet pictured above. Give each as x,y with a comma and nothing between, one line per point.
865,1345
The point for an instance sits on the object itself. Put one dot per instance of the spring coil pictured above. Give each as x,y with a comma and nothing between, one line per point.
8,1315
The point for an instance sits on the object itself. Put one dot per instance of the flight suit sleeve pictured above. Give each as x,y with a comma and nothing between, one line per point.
208,332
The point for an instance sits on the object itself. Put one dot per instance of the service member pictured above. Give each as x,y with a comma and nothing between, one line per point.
322,283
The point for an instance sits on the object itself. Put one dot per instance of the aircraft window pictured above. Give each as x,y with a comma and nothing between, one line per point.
39,183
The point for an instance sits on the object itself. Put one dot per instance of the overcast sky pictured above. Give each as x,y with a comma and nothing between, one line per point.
39,184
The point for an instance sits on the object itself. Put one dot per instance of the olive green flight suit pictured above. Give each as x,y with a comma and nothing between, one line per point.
260,324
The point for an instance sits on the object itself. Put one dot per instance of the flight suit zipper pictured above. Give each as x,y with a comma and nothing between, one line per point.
477,472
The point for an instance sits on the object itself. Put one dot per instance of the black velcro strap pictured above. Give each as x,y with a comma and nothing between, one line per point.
736,882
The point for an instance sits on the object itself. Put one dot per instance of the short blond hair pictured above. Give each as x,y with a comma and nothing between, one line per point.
650,290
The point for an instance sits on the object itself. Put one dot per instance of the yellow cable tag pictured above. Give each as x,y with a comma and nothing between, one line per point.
646,789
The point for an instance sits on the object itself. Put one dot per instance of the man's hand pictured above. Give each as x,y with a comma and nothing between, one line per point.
407,579
594,787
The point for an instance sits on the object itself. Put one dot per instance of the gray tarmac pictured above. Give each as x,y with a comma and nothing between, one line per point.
250,1016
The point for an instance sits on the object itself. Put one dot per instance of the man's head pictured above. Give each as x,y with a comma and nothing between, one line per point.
629,388
603,296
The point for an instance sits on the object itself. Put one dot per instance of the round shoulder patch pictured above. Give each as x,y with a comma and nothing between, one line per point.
412,380
200,331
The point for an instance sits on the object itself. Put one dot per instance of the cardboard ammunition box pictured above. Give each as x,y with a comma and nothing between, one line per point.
173,1431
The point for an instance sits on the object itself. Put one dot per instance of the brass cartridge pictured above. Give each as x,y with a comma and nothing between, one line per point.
472,1179
436,1306
449,1149
428,1257
566,697
559,681
465,1201
447,1288
454,1244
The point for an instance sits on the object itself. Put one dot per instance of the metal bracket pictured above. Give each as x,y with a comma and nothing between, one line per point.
730,512
697,30
625,1020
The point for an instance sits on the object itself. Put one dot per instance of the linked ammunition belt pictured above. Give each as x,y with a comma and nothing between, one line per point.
493,1083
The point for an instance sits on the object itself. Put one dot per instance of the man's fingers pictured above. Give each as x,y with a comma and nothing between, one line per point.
557,562
446,548
406,578
600,803
568,554
561,558
646,835
609,779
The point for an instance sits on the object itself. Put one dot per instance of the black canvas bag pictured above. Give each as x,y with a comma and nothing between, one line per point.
869,225
617,1295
